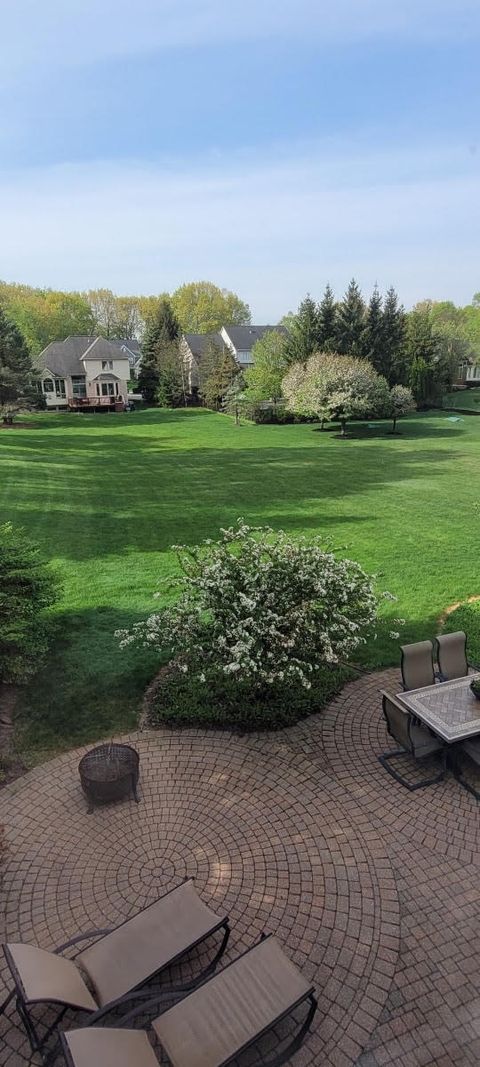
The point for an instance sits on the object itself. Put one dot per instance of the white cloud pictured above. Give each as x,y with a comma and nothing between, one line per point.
272,230
80,32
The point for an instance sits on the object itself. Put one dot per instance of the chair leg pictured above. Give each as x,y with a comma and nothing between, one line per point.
411,786
457,774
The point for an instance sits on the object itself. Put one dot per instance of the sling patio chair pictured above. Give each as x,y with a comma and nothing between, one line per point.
210,1027
452,656
117,965
417,665
415,740
470,748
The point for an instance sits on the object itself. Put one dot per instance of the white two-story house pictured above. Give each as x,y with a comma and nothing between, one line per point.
83,373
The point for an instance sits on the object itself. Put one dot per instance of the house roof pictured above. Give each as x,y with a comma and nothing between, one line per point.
131,347
106,377
243,338
64,357
199,342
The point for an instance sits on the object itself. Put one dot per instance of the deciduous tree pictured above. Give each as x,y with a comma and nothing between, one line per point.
264,378
201,307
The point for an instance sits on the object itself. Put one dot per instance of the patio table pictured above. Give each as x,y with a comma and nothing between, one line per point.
448,708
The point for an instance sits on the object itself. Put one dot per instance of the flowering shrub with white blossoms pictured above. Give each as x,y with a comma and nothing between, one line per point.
261,607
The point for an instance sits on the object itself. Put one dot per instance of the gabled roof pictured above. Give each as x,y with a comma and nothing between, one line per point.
199,342
100,348
243,338
131,347
106,376
63,358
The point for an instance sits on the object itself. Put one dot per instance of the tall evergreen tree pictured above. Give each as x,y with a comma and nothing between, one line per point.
163,329
16,370
218,371
304,334
394,363
373,332
351,322
422,357
327,320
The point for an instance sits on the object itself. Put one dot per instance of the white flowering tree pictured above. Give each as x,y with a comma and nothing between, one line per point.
261,607
401,403
338,388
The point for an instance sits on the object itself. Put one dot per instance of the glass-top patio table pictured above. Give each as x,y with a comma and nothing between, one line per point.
448,708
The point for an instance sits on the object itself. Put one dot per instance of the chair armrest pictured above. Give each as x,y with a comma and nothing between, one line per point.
82,937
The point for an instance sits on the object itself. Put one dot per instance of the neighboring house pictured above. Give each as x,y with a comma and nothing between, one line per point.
193,347
238,339
133,350
468,374
241,339
83,373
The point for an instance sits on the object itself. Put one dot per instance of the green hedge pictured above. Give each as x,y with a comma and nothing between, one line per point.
178,699
467,618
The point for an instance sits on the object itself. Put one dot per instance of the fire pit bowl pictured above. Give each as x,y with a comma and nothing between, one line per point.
109,772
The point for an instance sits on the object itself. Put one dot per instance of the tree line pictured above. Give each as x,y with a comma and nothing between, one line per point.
45,315
420,350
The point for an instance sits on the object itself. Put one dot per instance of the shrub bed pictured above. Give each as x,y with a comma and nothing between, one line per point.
177,698
466,617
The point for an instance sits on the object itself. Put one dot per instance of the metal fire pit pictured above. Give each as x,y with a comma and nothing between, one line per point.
109,772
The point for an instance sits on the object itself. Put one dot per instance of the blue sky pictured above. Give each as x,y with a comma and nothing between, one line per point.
267,146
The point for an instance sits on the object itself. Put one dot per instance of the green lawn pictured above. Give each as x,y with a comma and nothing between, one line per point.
106,496
466,399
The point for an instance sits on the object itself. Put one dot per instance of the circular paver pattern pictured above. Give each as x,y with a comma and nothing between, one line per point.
350,735
268,836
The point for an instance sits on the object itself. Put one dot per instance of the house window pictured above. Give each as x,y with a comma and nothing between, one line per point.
48,385
78,385
107,364
107,389
60,386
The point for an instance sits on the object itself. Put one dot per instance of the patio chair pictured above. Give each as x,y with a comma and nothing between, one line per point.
470,748
117,965
417,665
210,1027
452,656
415,740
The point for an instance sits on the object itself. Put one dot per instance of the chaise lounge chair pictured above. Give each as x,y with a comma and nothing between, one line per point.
210,1027
117,965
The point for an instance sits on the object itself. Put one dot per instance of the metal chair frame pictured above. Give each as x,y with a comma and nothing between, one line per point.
386,756
276,1061
38,1044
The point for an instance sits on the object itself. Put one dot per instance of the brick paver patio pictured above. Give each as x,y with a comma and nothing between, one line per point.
374,891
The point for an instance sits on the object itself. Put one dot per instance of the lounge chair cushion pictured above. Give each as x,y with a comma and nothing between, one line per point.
228,1012
45,976
99,1047
147,943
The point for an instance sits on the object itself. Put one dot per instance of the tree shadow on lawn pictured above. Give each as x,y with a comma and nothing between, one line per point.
88,688
103,506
